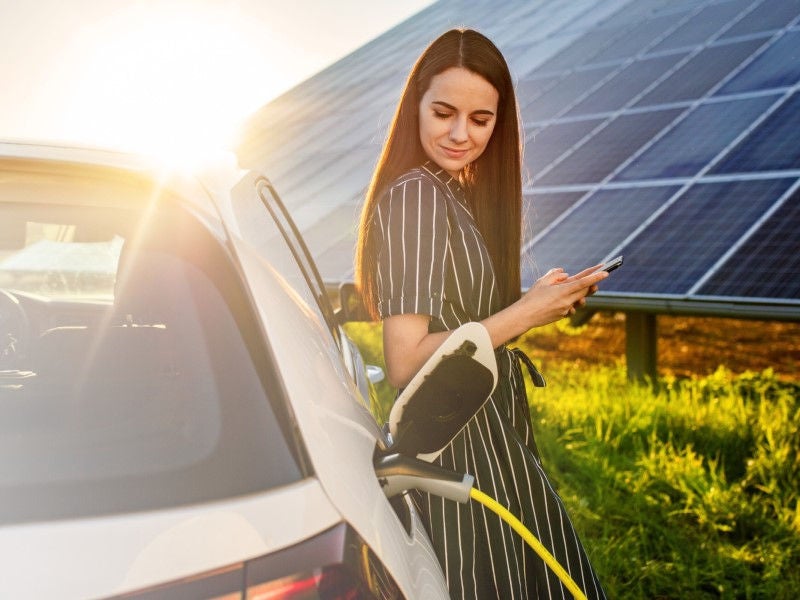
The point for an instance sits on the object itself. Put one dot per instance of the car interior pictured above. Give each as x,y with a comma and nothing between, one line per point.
127,363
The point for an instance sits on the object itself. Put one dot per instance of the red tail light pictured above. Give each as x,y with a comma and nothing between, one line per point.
351,572
330,582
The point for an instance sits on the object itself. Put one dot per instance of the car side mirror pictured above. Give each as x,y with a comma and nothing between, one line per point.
351,306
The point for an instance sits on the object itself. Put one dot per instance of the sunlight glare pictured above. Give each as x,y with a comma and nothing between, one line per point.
173,81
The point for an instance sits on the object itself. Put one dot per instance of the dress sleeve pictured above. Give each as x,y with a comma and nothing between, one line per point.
412,229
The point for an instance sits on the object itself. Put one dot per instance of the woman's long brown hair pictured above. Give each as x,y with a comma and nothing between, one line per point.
493,182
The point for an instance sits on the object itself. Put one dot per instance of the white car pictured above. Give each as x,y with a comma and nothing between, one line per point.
180,414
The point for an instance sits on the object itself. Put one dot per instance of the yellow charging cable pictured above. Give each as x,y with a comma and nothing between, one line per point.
537,546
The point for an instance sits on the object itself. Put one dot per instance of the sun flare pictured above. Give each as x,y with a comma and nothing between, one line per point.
172,82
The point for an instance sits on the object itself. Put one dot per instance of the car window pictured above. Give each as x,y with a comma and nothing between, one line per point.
132,375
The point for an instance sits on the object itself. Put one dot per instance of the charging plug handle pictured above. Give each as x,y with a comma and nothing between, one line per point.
398,473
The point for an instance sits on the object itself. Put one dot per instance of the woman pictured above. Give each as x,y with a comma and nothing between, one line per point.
439,246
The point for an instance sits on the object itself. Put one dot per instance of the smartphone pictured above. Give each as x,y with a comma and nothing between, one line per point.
614,263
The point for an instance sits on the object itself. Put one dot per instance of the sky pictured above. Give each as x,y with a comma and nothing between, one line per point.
171,78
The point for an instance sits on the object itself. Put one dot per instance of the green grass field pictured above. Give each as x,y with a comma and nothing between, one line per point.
680,489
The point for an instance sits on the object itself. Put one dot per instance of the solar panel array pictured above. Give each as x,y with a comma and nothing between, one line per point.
664,130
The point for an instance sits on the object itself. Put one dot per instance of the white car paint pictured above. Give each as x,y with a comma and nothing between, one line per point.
100,556
339,433
93,557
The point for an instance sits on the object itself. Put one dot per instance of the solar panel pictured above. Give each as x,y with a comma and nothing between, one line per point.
582,50
771,146
348,175
702,72
695,141
595,228
544,146
337,224
539,210
607,149
624,85
530,89
554,100
336,263
665,129
767,16
766,265
685,241
638,38
777,66
702,26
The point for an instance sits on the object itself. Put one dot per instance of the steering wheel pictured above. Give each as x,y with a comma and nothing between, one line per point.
14,330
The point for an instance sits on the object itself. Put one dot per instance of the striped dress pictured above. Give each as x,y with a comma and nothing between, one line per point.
432,260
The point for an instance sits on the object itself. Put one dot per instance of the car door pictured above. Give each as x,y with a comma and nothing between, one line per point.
332,417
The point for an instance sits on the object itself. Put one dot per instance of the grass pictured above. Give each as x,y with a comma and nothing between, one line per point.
685,489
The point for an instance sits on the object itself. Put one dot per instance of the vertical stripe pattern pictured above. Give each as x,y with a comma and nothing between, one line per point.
432,260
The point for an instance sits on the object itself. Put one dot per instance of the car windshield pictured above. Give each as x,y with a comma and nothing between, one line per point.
132,376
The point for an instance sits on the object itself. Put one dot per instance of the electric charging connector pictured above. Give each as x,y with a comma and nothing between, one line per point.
398,473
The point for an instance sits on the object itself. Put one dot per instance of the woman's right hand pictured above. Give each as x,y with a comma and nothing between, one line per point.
556,295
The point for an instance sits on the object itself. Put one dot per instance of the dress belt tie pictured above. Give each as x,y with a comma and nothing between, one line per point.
536,375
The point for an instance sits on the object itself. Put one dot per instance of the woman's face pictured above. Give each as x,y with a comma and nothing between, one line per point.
456,118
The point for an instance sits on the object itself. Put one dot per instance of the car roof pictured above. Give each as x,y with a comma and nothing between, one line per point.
207,189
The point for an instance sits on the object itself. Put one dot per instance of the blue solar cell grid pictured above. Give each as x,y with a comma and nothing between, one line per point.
696,140
544,146
772,146
561,95
778,66
767,264
638,38
582,50
530,89
769,15
683,243
702,26
625,85
664,127
609,148
539,210
701,73
595,228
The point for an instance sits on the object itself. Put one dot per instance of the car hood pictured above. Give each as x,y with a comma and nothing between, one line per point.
102,556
